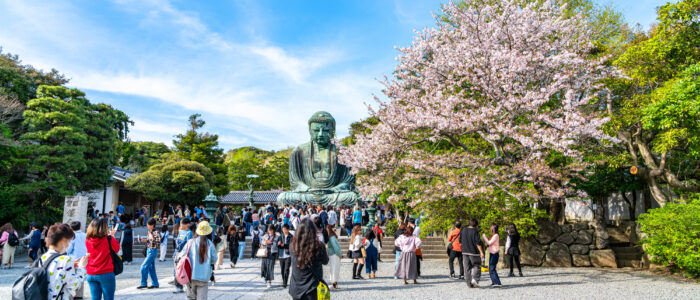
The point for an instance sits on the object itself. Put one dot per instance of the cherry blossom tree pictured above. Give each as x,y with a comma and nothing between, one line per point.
488,104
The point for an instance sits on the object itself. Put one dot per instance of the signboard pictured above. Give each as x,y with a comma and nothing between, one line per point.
75,209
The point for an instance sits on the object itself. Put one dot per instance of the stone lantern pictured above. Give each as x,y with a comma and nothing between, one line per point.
210,205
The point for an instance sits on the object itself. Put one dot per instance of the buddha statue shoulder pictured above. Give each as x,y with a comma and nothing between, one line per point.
315,175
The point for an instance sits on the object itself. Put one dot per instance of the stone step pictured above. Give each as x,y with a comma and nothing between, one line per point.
629,263
628,249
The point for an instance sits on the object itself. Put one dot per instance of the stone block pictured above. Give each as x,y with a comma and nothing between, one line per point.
618,235
531,252
580,226
565,238
548,232
557,256
580,260
579,249
603,258
584,237
567,227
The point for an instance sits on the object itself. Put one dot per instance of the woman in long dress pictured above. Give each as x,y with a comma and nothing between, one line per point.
408,244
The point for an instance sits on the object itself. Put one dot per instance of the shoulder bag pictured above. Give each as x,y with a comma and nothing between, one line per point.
116,259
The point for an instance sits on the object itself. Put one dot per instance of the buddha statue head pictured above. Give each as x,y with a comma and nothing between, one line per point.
322,128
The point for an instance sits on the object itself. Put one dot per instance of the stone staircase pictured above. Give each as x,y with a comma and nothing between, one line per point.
627,255
433,248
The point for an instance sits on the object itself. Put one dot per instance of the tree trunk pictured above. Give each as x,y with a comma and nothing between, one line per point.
600,226
556,211
646,195
657,192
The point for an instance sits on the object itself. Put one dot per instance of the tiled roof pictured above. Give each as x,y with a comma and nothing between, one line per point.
121,174
259,197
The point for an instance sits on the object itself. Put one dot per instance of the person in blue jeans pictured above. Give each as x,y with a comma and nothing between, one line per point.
148,267
34,242
493,248
100,268
240,235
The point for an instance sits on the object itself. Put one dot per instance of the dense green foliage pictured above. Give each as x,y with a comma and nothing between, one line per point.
139,156
203,148
174,181
673,235
271,166
654,109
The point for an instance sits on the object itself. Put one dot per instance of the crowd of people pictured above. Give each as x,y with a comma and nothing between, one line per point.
302,239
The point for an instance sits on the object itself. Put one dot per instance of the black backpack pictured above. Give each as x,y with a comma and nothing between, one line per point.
12,240
34,284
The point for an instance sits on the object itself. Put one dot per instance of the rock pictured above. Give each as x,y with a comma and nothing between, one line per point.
531,252
567,228
618,235
557,256
591,247
574,234
580,226
601,239
581,260
579,249
566,238
545,247
603,258
584,237
548,232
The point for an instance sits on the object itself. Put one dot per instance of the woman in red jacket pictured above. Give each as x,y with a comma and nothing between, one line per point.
100,269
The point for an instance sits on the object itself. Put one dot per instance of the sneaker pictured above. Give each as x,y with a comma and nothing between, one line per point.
396,277
474,284
178,291
461,277
153,287
269,285
495,286
140,287
232,266
521,274
171,282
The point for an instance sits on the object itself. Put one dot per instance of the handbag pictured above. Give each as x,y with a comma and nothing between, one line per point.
349,254
261,253
116,259
449,248
322,291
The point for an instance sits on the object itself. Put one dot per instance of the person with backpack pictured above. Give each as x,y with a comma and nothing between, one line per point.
183,236
54,276
148,267
9,241
77,249
202,256
66,273
256,241
100,267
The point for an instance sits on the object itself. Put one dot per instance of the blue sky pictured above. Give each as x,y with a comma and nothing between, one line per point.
255,70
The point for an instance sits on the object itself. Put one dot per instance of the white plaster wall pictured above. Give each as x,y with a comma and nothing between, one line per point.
578,210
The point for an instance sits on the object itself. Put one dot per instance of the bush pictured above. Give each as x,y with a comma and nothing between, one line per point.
391,227
673,236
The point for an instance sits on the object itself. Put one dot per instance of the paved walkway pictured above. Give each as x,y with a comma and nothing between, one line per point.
242,283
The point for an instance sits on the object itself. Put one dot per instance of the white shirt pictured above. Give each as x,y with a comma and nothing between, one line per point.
77,248
331,217
416,231
62,274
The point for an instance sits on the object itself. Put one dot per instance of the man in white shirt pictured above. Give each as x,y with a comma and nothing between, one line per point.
332,217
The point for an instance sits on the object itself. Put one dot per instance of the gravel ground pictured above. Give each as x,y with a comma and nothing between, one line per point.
538,283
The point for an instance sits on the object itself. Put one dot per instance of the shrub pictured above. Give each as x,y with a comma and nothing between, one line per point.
391,227
673,235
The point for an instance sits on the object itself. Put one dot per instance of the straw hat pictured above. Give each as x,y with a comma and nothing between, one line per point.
203,228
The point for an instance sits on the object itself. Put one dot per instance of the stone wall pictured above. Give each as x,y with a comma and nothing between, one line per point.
569,245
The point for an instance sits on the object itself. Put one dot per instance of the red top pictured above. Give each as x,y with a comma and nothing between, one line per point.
100,259
454,238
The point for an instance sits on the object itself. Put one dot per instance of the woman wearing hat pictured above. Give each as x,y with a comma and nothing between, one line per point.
202,255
